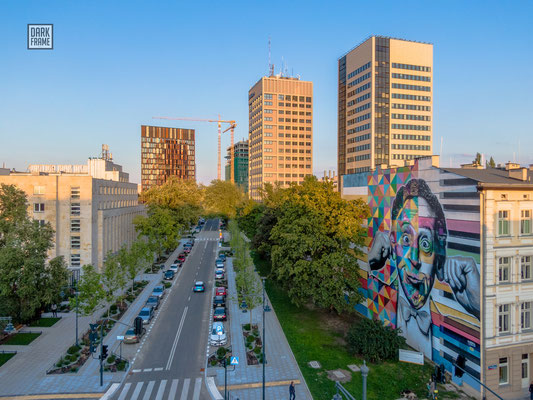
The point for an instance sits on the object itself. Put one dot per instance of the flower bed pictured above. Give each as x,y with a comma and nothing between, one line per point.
253,344
217,359
114,364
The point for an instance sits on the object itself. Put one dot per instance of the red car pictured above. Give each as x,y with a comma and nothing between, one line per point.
220,291
181,259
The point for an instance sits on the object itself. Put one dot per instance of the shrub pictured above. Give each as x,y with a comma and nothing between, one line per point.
214,363
246,327
74,369
256,333
73,349
249,346
113,309
374,341
111,359
221,352
59,363
257,350
121,366
250,339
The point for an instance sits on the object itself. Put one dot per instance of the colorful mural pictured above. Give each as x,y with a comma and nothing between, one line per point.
422,276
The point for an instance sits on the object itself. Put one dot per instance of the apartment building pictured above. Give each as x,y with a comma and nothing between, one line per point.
476,226
90,207
385,101
280,132
166,152
237,161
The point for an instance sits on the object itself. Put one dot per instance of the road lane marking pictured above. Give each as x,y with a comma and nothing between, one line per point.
161,390
124,391
197,387
137,391
175,344
173,389
136,370
185,390
158,369
147,370
149,389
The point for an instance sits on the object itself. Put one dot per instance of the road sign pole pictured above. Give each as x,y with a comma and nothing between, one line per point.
264,341
225,379
102,353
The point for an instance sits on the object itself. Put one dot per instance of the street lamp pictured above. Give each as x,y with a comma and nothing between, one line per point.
264,341
364,373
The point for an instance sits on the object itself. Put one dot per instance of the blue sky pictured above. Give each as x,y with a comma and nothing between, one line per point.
117,64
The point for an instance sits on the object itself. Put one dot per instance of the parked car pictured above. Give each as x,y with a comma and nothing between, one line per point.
187,250
174,267
198,287
219,274
219,264
182,254
220,314
153,302
146,314
131,338
159,291
169,275
220,260
220,291
219,301
181,258
222,256
218,335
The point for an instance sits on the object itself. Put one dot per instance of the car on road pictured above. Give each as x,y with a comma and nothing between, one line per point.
219,260
159,291
219,274
220,291
181,258
169,275
220,314
218,335
187,250
146,314
198,287
153,302
131,338
219,301
219,264
174,267
222,256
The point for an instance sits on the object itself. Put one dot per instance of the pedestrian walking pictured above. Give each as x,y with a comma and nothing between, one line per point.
531,391
54,310
292,391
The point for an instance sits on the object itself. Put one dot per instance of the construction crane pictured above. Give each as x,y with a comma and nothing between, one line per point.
219,122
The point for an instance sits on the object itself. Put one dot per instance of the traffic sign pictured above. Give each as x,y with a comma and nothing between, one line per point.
219,330
234,360
120,337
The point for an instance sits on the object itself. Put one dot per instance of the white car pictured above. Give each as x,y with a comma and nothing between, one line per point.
218,335
174,267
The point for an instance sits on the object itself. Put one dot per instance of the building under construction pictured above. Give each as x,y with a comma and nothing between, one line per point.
240,164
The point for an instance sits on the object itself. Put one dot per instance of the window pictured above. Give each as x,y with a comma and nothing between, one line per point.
41,222
503,223
525,222
411,87
269,111
38,207
75,260
503,269
525,267
268,103
75,209
38,190
75,242
280,97
504,371
74,192
75,225
525,366
268,96
525,315
503,318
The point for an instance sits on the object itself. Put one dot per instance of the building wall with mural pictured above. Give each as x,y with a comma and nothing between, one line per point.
421,269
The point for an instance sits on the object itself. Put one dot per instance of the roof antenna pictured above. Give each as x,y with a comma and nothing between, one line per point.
270,65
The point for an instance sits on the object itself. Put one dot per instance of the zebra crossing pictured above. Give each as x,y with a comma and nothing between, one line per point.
206,239
175,389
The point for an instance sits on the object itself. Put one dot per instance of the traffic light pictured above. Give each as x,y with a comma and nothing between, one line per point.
461,363
104,352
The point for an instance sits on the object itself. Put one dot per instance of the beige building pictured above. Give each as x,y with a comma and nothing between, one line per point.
91,207
385,99
280,132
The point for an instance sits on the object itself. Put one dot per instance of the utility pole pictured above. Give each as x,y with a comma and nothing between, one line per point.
102,353
364,373
264,341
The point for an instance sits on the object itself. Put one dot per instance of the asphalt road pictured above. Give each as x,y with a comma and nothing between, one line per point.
171,363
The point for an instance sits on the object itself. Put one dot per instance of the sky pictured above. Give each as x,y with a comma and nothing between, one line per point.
117,64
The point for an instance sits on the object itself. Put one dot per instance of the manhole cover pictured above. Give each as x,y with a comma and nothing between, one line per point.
314,364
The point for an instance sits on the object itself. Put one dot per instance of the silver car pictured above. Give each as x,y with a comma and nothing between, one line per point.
146,314
218,335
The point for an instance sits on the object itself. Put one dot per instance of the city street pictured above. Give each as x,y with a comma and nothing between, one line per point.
170,364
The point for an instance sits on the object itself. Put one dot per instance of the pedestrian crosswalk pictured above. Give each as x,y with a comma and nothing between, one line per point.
207,239
175,389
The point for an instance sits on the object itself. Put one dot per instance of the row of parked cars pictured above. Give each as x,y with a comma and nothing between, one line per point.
218,336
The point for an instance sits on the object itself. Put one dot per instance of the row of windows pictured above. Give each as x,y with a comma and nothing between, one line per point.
358,119
362,157
401,136
293,150
411,67
359,80
361,88
363,107
359,99
307,121
308,166
416,107
288,97
411,127
294,105
404,156
504,268
359,128
294,128
412,117
410,147
504,222
412,77
411,87
308,113
358,71
410,97
505,317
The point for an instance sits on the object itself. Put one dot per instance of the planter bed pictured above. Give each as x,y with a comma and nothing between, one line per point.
216,360
46,322
5,357
253,344
21,338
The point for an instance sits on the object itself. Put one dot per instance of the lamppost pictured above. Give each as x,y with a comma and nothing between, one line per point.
74,285
364,373
264,341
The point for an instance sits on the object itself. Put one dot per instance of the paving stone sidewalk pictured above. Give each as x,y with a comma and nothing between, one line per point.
25,374
281,364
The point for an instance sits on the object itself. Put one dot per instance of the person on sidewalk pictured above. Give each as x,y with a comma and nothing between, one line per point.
54,310
531,391
292,391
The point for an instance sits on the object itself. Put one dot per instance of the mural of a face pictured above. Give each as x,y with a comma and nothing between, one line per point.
414,249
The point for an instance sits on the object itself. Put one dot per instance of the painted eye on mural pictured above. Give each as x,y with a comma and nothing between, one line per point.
405,240
425,245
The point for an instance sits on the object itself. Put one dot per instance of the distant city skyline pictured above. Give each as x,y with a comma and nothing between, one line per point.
116,65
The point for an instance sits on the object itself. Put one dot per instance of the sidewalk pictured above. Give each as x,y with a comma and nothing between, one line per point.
25,373
281,365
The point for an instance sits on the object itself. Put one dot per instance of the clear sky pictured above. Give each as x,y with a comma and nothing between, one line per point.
115,64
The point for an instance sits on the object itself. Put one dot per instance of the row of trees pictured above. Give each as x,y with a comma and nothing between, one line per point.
312,237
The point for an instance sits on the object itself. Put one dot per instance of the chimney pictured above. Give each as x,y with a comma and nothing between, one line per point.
510,165
520,174
531,167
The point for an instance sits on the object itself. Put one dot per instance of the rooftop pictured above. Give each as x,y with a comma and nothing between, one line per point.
382,37
516,176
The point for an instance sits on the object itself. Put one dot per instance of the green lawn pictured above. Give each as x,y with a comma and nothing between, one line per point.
5,357
315,335
44,322
22,338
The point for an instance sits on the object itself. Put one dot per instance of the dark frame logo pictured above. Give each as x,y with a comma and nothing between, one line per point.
40,36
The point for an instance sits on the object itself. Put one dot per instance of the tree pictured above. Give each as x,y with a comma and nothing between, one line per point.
113,278
222,198
490,163
160,228
477,160
135,258
249,216
312,255
91,291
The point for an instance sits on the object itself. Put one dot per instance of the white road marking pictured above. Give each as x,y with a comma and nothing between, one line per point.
173,389
147,370
161,390
149,389
135,370
111,391
137,391
185,390
124,391
173,351
158,369
197,387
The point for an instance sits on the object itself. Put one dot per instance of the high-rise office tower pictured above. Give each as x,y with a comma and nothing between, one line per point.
280,132
240,164
166,152
385,104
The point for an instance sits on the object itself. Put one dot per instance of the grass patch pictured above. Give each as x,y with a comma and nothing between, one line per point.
44,322
5,357
312,335
22,339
